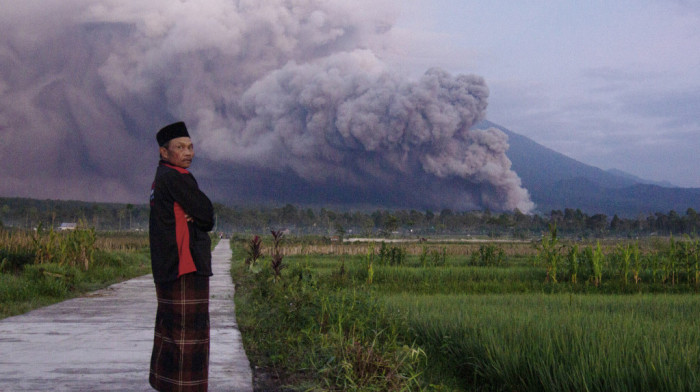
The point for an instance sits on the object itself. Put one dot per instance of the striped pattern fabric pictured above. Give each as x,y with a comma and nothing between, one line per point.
180,359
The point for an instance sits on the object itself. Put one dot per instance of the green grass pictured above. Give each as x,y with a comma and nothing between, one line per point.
316,330
545,342
502,327
44,284
515,275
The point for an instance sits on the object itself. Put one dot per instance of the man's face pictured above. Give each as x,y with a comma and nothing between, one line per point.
179,152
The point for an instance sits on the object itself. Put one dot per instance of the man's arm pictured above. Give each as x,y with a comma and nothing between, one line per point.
196,204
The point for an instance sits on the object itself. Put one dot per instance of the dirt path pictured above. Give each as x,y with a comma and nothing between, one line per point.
103,341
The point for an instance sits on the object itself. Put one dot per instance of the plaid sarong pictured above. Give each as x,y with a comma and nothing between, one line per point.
180,359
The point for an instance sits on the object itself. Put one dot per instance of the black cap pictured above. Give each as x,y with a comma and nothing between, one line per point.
170,132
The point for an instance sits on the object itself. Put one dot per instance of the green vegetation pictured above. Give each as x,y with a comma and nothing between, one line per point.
560,342
563,315
29,214
43,267
311,328
594,304
32,213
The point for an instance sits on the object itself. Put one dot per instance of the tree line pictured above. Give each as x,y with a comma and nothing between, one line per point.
30,213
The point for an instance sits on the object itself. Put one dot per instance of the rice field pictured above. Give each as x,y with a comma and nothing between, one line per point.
559,342
490,317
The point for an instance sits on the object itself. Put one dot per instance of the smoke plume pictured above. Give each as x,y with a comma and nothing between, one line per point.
286,100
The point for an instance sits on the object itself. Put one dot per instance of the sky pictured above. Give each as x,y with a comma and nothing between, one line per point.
333,98
614,84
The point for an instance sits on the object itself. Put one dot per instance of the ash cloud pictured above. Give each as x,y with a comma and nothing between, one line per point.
276,93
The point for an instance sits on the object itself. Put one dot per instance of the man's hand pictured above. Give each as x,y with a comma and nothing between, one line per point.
189,218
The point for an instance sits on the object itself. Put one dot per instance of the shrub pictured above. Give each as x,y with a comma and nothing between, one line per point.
487,255
276,262
325,331
254,251
391,255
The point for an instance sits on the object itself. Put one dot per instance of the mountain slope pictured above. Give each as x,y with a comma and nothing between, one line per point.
556,181
638,180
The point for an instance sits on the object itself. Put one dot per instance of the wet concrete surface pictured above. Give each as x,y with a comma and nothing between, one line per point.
102,341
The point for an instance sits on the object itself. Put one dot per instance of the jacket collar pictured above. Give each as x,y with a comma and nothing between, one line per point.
168,164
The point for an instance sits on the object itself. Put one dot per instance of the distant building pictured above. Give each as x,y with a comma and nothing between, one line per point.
67,226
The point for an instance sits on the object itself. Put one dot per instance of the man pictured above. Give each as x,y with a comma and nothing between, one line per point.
181,215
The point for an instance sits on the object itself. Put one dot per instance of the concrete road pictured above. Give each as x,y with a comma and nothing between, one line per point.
103,341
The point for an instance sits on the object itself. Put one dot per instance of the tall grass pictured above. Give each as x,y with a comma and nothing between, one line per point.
620,316
535,342
321,332
587,271
73,248
666,263
40,268
300,248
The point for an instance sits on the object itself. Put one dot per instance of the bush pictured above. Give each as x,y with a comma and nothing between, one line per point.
487,255
14,261
391,255
322,333
25,284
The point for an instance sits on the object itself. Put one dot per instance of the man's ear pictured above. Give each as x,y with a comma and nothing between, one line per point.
164,153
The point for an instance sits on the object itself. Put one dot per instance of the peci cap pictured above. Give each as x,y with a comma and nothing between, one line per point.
170,132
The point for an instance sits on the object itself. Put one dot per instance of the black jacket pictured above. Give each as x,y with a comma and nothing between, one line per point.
173,187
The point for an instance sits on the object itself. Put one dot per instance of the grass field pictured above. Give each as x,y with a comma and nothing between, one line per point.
469,317
559,342
38,269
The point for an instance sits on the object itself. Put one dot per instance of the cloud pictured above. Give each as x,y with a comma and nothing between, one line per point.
677,109
286,86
